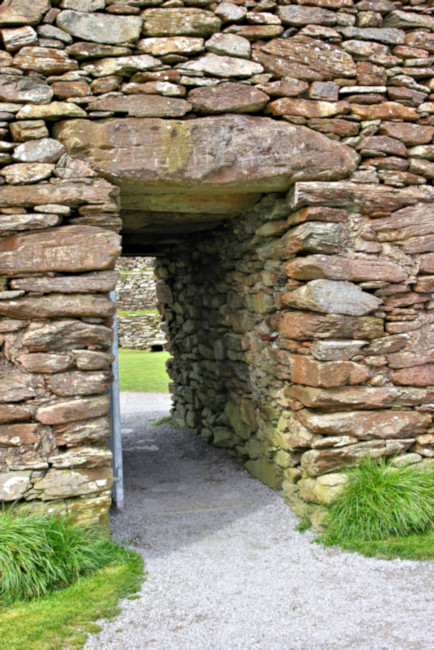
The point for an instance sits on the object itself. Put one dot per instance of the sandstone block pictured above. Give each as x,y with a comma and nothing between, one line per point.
84,50
84,431
366,425
24,90
62,335
316,462
305,58
416,220
307,107
63,483
385,111
13,485
309,237
184,21
101,281
336,350
15,413
15,38
92,360
228,97
17,386
409,134
73,410
29,130
99,27
332,297
299,16
334,267
143,106
70,249
408,19
349,397
381,144
302,325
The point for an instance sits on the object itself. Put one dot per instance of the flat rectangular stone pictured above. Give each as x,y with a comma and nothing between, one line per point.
64,335
73,410
304,325
76,433
77,382
66,483
101,281
336,267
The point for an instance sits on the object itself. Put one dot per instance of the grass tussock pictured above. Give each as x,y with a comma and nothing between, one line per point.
384,510
42,553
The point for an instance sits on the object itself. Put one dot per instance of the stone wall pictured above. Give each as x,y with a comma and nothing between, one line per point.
135,291
278,157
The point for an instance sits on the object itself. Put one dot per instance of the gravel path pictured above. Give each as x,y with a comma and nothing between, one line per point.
226,568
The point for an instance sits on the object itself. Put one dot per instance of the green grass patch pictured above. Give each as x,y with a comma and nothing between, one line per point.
136,312
64,618
168,419
384,511
56,578
143,371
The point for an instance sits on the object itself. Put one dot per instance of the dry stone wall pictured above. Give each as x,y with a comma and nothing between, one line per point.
135,292
301,321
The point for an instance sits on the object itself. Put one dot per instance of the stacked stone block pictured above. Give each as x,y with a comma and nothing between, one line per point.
302,326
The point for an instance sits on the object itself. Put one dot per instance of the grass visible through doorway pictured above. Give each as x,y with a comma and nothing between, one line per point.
143,371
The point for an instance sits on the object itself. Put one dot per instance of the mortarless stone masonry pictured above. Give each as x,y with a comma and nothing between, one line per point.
277,157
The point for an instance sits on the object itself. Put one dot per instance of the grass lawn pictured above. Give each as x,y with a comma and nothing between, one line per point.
63,618
143,371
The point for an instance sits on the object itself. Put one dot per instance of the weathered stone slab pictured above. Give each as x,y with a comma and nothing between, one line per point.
408,222
299,16
359,397
63,483
12,222
13,485
17,37
408,19
29,130
26,173
70,249
308,108
16,412
228,97
332,297
315,462
366,425
160,46
73,194
58,305
76,433
223,66
45,60
409,134
76,382
40,362
103,281
180,21
15,435
46,150
89,457
305,58
73,410
92,360
337,350
414,376
369,198
99,27
306,371
308,237
23,12
24,90
302,325
84,50
334,267
229,44
143,105
122,65
163,155
52,111
62,335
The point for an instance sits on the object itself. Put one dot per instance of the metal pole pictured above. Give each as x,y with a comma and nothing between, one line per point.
115,440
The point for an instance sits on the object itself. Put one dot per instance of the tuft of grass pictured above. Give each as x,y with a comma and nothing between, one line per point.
41,553
304,524
167,419
143,371
62,619
384,511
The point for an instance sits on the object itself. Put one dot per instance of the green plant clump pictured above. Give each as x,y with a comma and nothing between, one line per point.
383,502
41,553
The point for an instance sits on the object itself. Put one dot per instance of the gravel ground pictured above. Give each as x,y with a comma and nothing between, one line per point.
227,569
